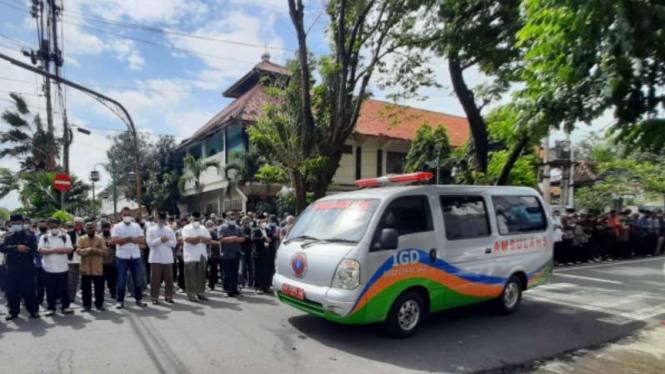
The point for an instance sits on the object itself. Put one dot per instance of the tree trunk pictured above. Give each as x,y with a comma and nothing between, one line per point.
476,121
321,187
201,201
301,193
512,159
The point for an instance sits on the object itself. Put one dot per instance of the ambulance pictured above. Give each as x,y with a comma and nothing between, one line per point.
395,253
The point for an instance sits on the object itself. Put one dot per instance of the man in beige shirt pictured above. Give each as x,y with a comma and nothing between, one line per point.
92,249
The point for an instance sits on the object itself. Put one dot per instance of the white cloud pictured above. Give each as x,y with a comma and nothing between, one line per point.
188,122
69,60
78,42
169,11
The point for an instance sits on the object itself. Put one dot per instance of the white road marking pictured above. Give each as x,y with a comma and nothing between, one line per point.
609,264
589,278
554,286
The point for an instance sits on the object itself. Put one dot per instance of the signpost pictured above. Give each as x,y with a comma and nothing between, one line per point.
62,182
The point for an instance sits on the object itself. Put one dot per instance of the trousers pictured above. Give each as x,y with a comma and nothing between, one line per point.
135,267
87,281
57,288
195,276
21,285
161,273
111,278
230,267
214,267
73,279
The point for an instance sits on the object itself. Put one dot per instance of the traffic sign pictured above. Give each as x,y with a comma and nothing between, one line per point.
62,182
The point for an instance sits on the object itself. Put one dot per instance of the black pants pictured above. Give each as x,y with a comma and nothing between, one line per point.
40,285
230,268
111,279
57,288
146,266
262,268
21,285
181,273
214,267
86,287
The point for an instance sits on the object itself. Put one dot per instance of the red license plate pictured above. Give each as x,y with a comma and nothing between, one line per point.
293,291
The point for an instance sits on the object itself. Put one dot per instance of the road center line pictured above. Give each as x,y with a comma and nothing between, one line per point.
588,278
609,264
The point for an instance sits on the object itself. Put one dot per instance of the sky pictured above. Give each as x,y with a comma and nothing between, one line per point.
170,83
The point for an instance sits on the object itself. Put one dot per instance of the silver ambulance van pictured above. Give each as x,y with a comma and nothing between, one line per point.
395,254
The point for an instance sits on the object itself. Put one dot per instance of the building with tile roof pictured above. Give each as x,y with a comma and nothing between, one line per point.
378,146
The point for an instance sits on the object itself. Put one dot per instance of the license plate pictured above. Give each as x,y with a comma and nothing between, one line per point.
293,291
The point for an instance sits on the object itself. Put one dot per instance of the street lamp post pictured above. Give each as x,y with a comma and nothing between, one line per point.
94,177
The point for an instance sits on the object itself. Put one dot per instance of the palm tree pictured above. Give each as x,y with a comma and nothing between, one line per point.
9,182
37,146
193,170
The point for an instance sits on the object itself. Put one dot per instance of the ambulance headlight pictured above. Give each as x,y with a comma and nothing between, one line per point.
347,275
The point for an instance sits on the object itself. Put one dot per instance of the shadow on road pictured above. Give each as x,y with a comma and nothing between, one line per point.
472,338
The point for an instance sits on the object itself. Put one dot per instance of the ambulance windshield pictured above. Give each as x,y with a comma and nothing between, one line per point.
336,221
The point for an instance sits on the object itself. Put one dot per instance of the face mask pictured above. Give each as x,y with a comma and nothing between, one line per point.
55,231
106,233
43,230
127,220
196,224
17,228
26,226
264,225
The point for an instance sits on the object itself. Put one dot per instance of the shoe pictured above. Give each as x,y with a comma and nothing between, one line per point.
11,317
192,298
67,311
86,310
141,304
120,305
170,301
202,297
34,315
155,302
50,313
101,308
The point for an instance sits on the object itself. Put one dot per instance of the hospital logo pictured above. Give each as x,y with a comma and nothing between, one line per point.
299,264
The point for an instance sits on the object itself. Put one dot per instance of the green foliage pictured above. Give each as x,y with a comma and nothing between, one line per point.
271,174
430,150
40,199
4,214
584,57
63,216
192,175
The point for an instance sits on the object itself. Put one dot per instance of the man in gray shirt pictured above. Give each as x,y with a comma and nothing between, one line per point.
230,237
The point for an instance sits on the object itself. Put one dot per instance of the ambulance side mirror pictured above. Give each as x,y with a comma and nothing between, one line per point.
389,239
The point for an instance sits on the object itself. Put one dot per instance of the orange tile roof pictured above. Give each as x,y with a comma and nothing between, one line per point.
380,118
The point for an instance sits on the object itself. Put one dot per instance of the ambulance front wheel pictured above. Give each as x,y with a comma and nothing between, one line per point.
510,298
406,314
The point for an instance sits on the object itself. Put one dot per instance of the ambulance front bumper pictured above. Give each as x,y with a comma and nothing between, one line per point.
323,301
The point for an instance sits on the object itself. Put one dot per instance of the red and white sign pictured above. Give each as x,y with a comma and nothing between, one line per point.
62,182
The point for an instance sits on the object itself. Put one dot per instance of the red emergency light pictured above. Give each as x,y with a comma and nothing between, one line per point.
394,179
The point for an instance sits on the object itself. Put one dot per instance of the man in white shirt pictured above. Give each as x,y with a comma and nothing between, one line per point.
127,236
55,246
161,240
195,252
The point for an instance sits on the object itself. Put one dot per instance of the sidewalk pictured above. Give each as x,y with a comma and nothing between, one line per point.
643,353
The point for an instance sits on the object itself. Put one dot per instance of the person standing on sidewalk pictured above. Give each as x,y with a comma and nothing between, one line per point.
92,249
161,240
55,248
19,247
231,236
74,277
195,252
110,271
127,236
42,229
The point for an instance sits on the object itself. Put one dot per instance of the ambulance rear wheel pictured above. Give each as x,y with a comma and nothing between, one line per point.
510,298
406,314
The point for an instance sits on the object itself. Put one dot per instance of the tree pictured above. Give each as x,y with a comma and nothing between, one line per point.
585,57
430,150
40,199
193,170
4,214
9,182
35,145
363,33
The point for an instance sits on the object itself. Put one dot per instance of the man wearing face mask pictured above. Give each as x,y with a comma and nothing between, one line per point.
195,252
92,249
18,247
262,238
161,240
75,259
110,271
55,247
42,228
127,236
231,235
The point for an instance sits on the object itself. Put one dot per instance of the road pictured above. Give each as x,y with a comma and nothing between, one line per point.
582,306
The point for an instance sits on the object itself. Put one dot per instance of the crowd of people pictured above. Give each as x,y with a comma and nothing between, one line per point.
47,263
594,237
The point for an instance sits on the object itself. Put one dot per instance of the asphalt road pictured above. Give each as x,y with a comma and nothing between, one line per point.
583,306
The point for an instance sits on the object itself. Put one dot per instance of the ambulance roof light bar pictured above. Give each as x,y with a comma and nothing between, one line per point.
394,179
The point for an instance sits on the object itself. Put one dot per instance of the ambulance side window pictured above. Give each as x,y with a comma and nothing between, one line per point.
465,217
408,215
519,214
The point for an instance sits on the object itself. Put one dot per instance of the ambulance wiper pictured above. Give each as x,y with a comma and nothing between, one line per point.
301,237
340,240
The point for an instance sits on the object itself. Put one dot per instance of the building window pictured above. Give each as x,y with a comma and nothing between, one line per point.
214,144
465,217
235,205
195,151
211,208
235,142
359,162
395,163
379,162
